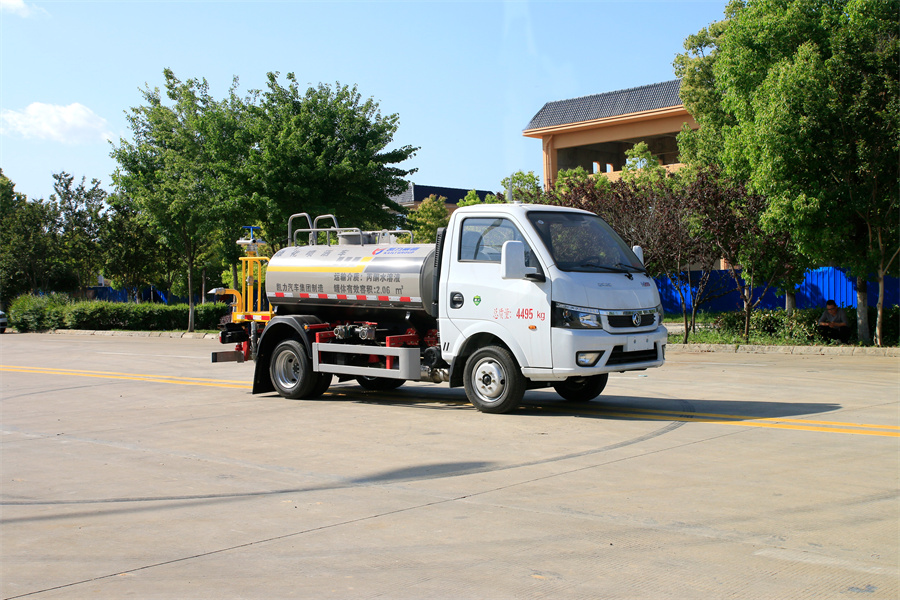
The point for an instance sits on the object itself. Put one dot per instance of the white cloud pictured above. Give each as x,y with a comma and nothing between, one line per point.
18,7
72,124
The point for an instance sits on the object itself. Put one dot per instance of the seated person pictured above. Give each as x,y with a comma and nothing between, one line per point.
833,324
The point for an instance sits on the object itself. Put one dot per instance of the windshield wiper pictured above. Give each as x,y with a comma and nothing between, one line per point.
607,268
630,268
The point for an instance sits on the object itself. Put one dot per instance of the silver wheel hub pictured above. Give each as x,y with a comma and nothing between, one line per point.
287,369
489,380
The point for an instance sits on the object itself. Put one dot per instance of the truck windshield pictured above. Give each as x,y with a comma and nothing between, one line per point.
583,242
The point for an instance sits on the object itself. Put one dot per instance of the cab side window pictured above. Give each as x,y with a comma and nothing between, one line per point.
482,240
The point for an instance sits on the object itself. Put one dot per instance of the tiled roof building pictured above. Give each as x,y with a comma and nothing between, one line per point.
415,194
595,131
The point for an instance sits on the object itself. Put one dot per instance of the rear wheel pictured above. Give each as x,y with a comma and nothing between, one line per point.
582,389
379,384
494,383
291,371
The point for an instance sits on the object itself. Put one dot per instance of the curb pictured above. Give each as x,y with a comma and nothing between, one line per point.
164,334
799,350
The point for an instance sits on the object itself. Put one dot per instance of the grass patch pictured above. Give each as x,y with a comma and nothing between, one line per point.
714,336
703,317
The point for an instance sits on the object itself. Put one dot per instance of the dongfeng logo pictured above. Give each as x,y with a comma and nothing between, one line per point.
636,319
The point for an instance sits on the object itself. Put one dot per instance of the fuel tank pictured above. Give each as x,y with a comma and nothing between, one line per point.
395,276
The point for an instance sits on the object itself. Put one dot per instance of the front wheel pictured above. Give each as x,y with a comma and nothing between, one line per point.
379,384
582,389
494,383
291,371
320,386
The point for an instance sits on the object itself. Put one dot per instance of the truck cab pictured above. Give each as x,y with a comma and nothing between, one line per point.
556,289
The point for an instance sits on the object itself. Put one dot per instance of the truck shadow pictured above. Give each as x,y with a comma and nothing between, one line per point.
547,403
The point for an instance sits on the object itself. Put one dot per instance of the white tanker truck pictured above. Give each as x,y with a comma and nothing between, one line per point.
511,297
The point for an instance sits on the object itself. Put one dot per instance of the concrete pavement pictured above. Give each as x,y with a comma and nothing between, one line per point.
134,467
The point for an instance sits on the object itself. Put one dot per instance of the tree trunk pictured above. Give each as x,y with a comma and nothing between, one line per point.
747,309
190,275
678,286
693,316
879,320
790,302
862,311
203,286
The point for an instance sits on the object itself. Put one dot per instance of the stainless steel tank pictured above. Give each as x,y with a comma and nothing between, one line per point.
372,276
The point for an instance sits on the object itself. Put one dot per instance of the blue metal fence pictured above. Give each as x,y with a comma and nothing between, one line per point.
820,285
150,294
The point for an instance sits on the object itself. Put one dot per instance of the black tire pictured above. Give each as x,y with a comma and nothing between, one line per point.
582,389
494,383
379,384
291,371
320,387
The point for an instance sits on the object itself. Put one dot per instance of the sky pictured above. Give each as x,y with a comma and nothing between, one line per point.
465,78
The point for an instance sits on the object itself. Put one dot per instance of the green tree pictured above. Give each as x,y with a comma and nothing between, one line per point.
472,198
578,178
81,211
701,97
132,255
323,151
642,168
176,169
12,282
804,103
523,187
427,218
31,253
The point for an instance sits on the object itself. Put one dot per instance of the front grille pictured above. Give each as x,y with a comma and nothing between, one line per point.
625,320
619,357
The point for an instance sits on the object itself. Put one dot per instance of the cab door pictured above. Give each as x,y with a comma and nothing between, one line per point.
475,299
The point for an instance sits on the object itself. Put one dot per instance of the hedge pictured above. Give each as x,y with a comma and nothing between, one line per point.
55,311
38,313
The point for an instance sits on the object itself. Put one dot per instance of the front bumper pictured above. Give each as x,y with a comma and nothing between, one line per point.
621,352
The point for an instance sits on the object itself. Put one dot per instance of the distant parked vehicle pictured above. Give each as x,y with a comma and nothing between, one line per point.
3,322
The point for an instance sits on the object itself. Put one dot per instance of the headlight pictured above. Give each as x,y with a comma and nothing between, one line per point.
575,317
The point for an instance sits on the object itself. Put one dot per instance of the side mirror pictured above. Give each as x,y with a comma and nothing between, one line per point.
639,252
512,260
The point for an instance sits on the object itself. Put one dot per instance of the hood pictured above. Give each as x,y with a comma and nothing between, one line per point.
609,291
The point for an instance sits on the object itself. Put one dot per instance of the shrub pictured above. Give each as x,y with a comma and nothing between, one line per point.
99,315
209,315
33,312
800,326
730,322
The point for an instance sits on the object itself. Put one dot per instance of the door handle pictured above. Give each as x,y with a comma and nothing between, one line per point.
456,300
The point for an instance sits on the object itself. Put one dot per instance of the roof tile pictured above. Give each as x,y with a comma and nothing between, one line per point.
608,104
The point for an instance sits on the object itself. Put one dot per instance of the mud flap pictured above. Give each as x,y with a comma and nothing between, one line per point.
228,356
